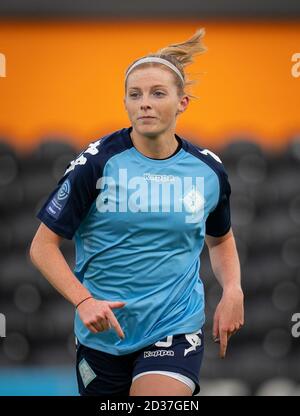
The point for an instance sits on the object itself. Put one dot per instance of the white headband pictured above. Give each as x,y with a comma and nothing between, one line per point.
155,59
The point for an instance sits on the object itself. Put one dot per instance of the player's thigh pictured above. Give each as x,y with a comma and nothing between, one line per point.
159,385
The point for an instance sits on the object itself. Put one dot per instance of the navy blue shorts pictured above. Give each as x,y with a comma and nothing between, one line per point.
178,356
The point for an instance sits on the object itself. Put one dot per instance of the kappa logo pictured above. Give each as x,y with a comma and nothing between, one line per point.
158,353
81,159
159,178
194,340
212,154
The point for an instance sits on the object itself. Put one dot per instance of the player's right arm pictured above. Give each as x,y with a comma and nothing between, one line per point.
61,215
46,255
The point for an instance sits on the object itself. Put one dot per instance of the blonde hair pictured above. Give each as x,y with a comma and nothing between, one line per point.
180,55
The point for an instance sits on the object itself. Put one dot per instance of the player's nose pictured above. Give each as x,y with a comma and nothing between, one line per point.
145,103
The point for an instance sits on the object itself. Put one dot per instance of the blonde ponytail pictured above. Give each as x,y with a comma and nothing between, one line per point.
180,55
184,52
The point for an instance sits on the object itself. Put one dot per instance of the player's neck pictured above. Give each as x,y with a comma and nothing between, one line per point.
160,147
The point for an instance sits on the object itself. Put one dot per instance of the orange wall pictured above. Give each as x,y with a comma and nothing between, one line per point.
67,78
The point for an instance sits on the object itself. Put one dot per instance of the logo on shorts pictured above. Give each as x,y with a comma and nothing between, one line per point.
158,353
194,340
87,374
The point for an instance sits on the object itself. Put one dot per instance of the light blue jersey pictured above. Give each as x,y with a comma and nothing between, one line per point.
139,226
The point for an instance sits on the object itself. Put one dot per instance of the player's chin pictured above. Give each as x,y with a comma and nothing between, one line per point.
150,130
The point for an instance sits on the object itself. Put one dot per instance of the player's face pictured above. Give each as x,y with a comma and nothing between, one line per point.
152,101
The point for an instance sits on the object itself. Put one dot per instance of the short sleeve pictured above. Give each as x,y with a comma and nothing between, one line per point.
218,222
71,200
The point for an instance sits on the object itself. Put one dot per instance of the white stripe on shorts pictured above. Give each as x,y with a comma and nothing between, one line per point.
177,376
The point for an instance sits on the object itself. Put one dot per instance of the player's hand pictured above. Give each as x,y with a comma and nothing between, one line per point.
97,315
228,318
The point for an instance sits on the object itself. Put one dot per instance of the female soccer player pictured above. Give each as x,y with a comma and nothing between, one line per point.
140,203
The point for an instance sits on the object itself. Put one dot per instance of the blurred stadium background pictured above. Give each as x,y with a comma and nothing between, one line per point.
63,87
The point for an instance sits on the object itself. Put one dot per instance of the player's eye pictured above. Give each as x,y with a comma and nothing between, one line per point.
159,93
133,94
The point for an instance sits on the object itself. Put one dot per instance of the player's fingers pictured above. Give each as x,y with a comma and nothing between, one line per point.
216,330
115,324
108,323
235,329
99,325
223,343
105,324
116,304
92,328
232,333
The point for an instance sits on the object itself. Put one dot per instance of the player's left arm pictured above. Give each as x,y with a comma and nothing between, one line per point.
229,315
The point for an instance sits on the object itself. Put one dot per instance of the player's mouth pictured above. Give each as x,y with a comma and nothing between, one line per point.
145,117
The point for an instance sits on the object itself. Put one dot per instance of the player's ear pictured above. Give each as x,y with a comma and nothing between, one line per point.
183,104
